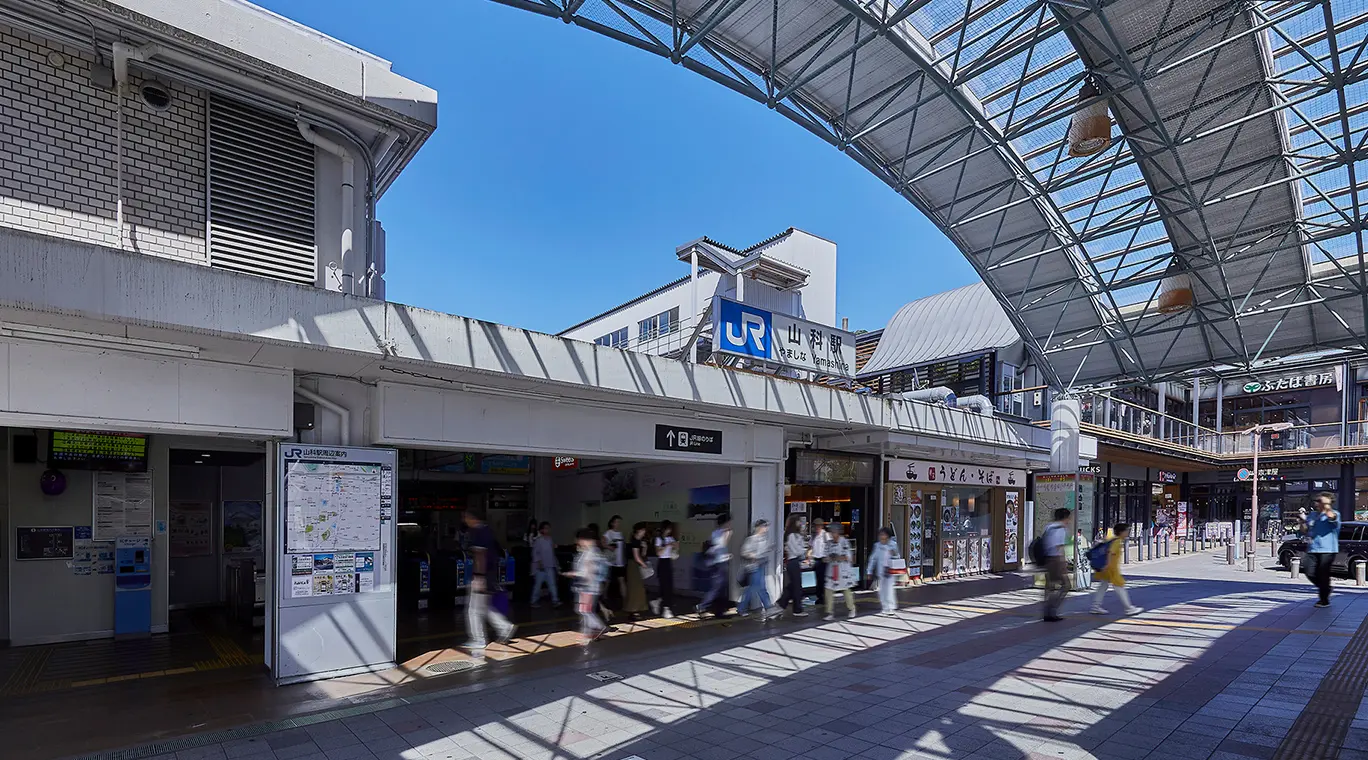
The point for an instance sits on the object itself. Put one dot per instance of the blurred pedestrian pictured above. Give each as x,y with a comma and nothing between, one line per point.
1056,566
587,574
841,573
484,583
817,552
880,571
717,555
544,566
1110,574
637,572
1322,536
667,550
795,553
615,544
754,566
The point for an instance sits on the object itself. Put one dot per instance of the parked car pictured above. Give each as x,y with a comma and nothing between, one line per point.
1353,547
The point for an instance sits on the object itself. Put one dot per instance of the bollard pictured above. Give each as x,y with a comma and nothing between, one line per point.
1149,546
1166,545
1359,579
1125,552
1249,561
1230,554
1295,567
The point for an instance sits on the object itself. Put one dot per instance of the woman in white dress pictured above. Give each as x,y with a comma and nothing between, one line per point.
840,573
880,570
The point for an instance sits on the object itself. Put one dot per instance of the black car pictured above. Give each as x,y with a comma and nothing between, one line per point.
1353,547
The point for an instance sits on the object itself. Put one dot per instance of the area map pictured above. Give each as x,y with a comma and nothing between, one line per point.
332,507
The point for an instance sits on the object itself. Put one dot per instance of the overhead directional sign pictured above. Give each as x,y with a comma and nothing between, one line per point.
693,440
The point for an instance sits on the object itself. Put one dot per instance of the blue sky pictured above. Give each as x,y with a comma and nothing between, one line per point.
566,167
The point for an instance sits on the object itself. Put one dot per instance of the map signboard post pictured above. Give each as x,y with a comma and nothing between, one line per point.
335,571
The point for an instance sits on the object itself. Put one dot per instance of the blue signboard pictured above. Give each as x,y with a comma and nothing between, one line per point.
744,330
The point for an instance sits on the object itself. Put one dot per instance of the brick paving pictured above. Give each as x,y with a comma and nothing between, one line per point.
1221,668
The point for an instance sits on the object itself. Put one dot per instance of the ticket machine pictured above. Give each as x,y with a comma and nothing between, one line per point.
132,586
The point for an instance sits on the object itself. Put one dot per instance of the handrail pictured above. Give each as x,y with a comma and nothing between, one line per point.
1156,412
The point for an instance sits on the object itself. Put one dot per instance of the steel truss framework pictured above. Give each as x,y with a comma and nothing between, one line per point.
1239,156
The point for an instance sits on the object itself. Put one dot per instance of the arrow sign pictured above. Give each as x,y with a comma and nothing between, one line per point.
691,440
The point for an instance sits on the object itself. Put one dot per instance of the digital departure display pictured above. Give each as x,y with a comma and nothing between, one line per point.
111,452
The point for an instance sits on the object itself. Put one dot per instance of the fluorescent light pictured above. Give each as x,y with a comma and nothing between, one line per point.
95,340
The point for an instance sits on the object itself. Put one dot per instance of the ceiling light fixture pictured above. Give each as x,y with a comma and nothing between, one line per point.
1090,129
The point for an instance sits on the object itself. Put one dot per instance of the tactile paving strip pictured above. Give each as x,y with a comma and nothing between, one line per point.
1319,731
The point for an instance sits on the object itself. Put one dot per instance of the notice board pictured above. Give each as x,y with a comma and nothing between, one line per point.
336,565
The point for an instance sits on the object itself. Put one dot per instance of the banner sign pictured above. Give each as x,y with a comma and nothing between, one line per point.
920,471
775,338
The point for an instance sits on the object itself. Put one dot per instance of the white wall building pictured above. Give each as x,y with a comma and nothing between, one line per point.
792,273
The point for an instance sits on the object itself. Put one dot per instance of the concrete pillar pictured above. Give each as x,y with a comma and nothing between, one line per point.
1064,435
765,484
1163,406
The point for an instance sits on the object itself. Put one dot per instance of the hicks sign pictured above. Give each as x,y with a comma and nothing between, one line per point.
775,338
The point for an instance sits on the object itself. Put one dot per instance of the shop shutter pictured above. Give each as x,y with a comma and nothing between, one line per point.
261,194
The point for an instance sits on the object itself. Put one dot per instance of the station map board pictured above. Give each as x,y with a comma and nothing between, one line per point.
336,569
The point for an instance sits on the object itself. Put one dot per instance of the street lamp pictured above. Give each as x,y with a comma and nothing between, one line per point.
1257,432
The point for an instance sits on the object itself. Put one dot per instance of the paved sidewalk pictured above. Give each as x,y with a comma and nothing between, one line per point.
1224,668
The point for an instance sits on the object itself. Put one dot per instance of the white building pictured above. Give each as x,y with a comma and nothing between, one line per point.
792,273
189,255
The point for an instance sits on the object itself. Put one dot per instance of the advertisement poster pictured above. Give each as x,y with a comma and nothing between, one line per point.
962,555
985,554
241,527
191,529
914,537
1011,534
1181,527
947,558
123,505
333,574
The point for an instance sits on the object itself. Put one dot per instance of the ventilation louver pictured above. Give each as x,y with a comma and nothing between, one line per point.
261,194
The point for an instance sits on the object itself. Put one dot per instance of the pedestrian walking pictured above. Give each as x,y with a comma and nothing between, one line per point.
1322,536
754,566
1056,567
717,555
637,571
841,574
795,553
587,574
615,544
817,552
667,550
880,571
544,566
1109,575
484,583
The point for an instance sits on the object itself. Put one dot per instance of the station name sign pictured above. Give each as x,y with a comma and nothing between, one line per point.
692,440
775,338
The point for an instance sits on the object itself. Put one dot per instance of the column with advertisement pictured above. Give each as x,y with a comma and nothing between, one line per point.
1066,490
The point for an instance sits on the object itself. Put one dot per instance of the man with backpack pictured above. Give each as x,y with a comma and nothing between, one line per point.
1047,552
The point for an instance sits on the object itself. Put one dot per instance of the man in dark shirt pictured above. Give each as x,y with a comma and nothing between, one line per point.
485,579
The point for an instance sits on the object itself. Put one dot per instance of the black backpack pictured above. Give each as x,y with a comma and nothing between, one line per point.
1036,551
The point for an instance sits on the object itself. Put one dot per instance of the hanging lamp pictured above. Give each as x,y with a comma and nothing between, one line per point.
1090,129
1175,291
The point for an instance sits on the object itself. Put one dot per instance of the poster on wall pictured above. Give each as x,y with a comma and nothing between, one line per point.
711,501
914,537
947,558
1011,534
619,485
985,554
333,574
962,555
332,507
191,529
241,527
122,505
975,559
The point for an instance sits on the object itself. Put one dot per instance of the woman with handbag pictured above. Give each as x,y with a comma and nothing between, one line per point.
637,572
795,553
754,563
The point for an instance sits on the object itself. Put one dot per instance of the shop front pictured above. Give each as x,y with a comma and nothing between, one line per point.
1285,494
835,487
952,520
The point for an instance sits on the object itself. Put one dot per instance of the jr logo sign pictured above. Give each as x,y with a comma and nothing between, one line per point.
744,330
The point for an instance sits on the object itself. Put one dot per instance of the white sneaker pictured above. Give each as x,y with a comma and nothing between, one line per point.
655,606
829,617
669,614
1135,611
1098,611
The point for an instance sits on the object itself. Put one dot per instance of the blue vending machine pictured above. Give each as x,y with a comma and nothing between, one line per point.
132,586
